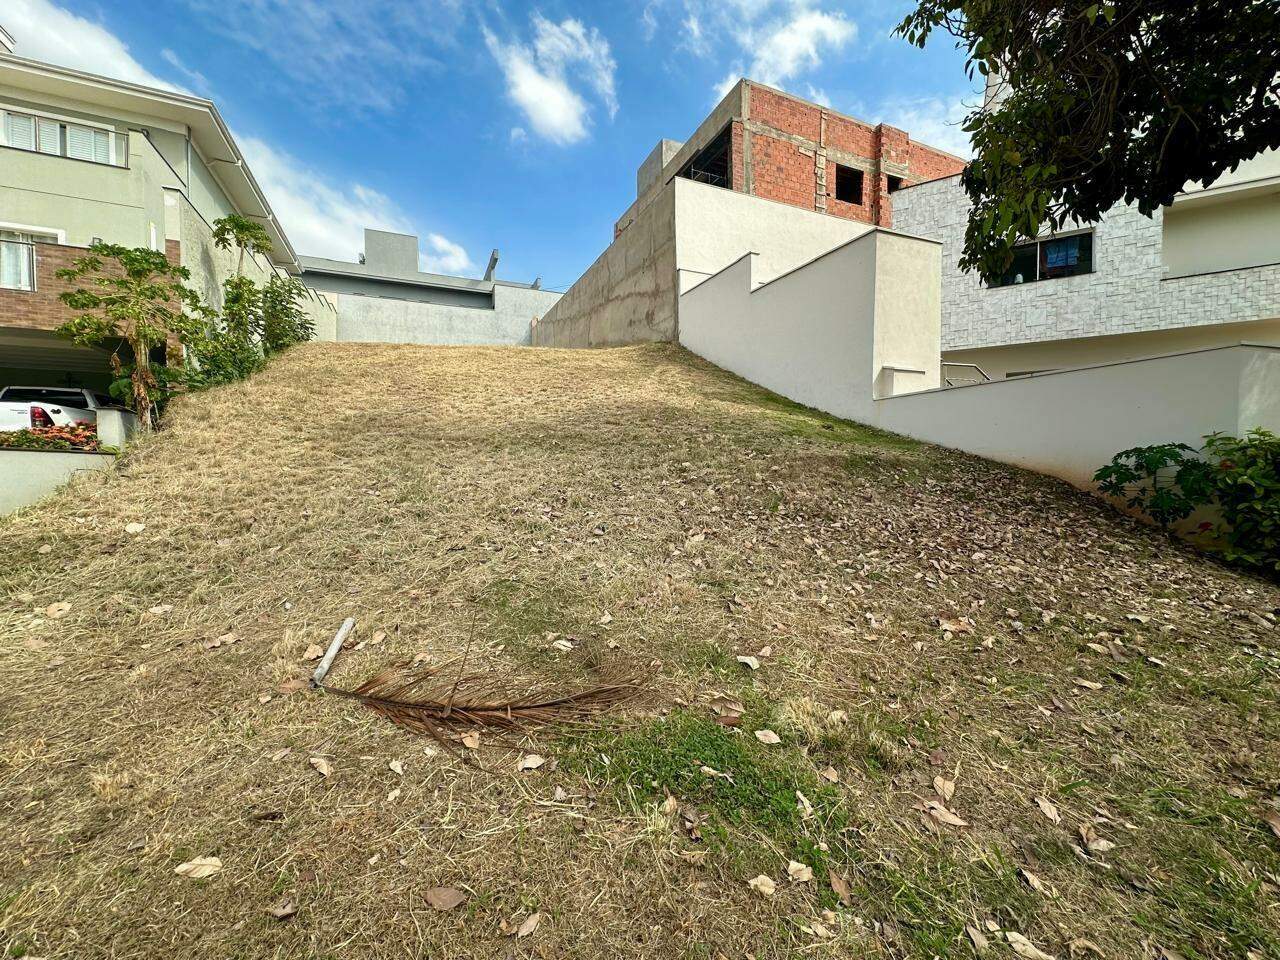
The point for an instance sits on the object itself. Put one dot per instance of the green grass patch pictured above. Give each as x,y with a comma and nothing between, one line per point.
757,797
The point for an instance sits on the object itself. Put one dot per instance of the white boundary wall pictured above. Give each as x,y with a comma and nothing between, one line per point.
831,333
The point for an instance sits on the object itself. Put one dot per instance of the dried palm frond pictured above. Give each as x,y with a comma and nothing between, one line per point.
447,698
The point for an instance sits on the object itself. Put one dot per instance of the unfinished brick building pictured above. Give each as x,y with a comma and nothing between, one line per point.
766,173
771,145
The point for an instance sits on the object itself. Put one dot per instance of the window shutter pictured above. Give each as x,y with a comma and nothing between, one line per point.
101,146
20,131
79,142
49,136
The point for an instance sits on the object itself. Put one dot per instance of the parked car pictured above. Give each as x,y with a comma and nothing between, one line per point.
24,407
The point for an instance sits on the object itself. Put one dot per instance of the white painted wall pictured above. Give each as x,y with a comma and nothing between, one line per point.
1127,293
811,334
827,334
1071,422
1222,233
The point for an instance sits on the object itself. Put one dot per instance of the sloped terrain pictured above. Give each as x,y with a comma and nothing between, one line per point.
1004,714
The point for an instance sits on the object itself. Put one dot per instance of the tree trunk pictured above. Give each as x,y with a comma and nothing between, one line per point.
141,379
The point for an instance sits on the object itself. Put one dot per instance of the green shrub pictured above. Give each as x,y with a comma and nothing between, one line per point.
1239,476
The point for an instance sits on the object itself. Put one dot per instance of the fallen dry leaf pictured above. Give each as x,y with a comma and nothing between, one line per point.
830,774
1080,946
977,938
281,754
55,611
225,640
283,910
134,527
1034,882
445,898
1025,948
937,811
530,761
322,766
529,926
1048,809
199,868
751,663
768,737
799,872
946,788
44,548
292,685
1272,819
1092,842
1088,684
471,740
313,652
161,609
840,887
763,886
396,767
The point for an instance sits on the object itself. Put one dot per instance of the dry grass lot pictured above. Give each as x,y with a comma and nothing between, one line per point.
941,641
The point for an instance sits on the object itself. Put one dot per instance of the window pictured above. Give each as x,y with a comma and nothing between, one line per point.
59,398
894,184
17,258
17,264
848,185
1049,259
711,164
79,141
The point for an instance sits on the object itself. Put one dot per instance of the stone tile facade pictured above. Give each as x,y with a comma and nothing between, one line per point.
1126,293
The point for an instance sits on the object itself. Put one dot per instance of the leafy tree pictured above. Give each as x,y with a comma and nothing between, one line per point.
246,235
138,296
284,322
1106,102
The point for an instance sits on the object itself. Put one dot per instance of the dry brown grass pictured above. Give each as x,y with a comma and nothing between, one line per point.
420,489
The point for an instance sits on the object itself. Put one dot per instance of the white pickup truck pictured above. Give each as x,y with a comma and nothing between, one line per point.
25,407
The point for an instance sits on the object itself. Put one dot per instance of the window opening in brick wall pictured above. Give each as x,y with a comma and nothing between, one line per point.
848,185
895,184
712,163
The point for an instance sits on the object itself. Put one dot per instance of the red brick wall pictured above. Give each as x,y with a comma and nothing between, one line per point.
40,309
929,164
783,113
851,136
851,211
781,172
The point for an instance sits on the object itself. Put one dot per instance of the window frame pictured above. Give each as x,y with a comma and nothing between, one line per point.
33,236
31,265
1037,245
117,150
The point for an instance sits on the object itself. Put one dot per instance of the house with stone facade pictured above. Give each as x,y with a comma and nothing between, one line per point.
84,157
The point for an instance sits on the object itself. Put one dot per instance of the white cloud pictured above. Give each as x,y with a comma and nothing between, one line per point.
787,47
337,52
932,120
538,76
442,255
818,96
198,81
44,31
322,220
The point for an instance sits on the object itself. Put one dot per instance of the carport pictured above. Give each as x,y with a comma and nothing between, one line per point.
42,358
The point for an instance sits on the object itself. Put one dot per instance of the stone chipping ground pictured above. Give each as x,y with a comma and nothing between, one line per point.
899,702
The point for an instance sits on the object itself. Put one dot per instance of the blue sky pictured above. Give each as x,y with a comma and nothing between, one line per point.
483,124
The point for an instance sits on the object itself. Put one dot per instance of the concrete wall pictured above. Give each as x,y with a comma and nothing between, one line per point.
27,476
1071,422
387,320
629,294
811,334
1126,293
